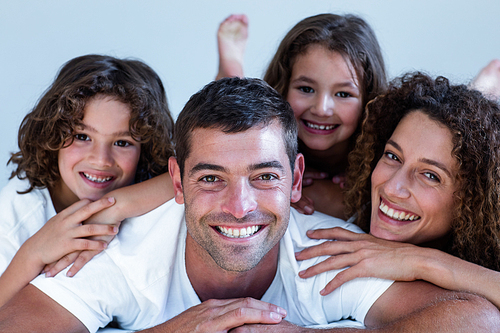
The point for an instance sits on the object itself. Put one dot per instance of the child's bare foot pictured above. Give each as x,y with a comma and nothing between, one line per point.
232,39
488,80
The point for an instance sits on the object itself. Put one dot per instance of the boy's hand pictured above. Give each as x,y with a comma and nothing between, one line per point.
65,233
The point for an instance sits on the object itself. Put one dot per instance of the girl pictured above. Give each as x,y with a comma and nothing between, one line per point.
327,67
423,172
103,124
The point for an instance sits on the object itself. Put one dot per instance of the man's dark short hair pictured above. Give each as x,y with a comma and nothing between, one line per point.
234,105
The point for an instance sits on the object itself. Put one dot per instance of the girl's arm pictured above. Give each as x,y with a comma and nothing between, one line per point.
62,234
131,201
368,256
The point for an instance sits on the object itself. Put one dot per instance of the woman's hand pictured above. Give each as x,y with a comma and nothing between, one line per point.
365,255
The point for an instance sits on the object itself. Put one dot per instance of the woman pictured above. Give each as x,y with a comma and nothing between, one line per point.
425,171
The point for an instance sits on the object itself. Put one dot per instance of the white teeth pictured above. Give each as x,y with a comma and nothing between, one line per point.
397,215
320,127
239,232
96,179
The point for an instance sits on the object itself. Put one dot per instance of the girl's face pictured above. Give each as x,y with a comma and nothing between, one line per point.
325,97
414,182
103,155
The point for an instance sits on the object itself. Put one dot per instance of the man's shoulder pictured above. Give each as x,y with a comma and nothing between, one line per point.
319,220
300,223
164,221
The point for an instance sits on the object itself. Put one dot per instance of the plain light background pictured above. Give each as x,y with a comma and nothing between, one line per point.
178,39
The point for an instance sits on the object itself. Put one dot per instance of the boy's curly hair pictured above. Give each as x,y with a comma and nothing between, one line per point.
51,124
474,122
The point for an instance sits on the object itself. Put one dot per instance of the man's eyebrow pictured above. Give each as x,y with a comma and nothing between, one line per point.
206,166
93,130
424,160
270,164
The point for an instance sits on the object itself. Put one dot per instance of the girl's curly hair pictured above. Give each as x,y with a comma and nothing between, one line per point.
51,124
474,122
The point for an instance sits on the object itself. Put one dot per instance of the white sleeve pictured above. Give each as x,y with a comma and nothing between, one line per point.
94,295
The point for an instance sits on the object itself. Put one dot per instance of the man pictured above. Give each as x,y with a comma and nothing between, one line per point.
231,264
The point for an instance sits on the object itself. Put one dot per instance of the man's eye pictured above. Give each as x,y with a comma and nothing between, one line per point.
267,177
122,143
82,137
210,179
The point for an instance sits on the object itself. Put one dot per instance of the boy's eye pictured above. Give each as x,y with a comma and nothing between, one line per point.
306,89
82,137
343,94
122,143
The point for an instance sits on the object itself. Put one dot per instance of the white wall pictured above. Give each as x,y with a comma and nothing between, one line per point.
178,39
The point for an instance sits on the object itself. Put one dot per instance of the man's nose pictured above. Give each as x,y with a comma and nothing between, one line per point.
239,200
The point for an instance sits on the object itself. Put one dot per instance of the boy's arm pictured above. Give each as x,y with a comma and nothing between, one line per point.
61,235
136,199
131,201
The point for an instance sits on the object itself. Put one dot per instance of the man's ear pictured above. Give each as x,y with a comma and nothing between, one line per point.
175,174
298,172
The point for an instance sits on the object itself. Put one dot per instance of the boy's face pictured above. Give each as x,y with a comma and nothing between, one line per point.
102,157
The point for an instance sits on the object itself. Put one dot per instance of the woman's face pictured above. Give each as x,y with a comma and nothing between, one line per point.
414,182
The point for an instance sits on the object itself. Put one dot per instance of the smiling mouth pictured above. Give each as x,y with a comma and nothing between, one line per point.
320,127
239,232
97,179
397,215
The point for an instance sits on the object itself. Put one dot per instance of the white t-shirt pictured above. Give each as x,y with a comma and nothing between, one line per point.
21,216
140,281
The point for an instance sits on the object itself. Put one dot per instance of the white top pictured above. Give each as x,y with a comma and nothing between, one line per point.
140,281
21,216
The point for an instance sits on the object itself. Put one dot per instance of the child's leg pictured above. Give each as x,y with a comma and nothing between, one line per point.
232,39
488,80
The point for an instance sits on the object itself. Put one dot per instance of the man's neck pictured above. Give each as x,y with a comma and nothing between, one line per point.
212,282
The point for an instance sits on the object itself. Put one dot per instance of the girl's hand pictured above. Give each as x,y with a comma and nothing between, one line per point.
65,233
304,206
309,177
340,180
365,255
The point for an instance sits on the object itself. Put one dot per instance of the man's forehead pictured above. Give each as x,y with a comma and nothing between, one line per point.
260,144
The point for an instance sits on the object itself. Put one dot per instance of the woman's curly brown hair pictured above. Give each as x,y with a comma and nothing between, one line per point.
474,122
51,124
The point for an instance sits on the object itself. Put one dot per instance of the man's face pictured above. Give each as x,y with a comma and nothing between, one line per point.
237,190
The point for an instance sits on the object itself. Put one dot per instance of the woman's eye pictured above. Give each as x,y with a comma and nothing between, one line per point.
82,137
391,156
343,94
306,89
122,143
432,176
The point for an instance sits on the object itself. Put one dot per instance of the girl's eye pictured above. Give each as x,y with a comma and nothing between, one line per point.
306,89
210,179
82,137
343,94
432,176
122,143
